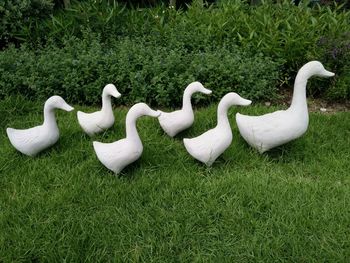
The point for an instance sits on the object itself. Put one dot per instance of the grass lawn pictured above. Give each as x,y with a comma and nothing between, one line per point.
291,204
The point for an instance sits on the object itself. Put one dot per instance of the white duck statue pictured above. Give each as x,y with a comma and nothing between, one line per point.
34,140
273,129
210,145
177,121
96,122
115,156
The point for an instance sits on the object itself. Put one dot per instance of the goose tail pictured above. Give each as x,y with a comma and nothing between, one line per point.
239,118
97,146
11,134
188,145
80,116
9,131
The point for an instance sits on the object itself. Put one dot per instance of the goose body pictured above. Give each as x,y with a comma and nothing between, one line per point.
174,122
96,122
273,129
211,144
117,155
32,141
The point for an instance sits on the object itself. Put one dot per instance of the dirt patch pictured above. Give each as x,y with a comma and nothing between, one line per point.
315,105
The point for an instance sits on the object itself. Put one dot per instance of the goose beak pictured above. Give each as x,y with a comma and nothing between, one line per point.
67,107
327,73
156,114
206,91
245,102
116,94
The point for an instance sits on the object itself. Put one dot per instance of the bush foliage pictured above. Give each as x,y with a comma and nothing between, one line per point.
169,45
15,15
337,54
140,70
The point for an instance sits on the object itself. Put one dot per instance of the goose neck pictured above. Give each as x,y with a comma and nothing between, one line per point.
49,117
130,123
186,100
222,114
299,94
106,103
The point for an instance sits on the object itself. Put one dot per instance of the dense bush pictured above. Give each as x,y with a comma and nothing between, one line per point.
337,54
15,14
141,71
282,32
345,3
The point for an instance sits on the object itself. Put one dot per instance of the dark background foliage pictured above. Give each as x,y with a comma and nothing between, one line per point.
141,71
152,51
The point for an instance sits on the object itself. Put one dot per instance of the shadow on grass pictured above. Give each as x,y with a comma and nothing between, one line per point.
130,172
289,152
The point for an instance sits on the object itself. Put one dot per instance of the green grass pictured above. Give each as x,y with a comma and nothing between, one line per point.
291,204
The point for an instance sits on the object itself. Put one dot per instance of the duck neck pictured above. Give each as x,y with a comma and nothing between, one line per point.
222,114
299,94
106,102
186,100
130,123
49,117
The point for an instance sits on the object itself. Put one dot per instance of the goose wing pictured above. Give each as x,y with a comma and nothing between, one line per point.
109,151
89,121
266,131
87,118
260,124
27,136
28,141
116,152
174,122
201,147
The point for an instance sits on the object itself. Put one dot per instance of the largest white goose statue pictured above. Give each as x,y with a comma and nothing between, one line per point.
34,140
96,122
115,156
211,144
177,121
273,129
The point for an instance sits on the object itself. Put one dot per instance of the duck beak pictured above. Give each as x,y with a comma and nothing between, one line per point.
245,102
327,73
67,107
116,94
156,114
206,91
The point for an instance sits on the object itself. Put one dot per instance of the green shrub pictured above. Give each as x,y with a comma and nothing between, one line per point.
283,31
335,52
141,71
287,34
280,30
15,14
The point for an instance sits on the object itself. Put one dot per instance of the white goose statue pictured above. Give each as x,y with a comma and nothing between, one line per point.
115,156
96,122
34,140
211,144
177,121
273,129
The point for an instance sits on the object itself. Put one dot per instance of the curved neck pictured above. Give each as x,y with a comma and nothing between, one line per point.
130,123
222,114
106,102
186,100
49,117
299,94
